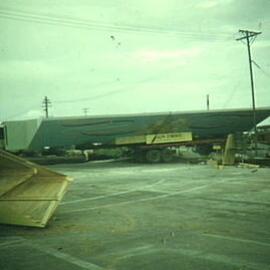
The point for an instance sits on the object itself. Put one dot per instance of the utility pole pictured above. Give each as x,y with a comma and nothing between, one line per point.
207,102
250,36
85,111
46,104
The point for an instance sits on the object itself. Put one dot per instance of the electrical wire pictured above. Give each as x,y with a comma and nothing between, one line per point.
261,69
115,91
93,25
86,98
13,116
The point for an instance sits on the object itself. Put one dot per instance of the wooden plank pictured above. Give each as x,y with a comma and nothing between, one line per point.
13,173
30,193
27,213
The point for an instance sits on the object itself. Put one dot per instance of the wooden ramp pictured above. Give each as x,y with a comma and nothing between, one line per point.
29,194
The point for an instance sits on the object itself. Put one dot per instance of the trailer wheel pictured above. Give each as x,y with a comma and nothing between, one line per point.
139,156
166,155
153,156
204,149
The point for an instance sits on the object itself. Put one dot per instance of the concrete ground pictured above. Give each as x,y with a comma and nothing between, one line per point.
136,216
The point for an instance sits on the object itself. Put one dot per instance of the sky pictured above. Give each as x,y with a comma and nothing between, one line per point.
119,56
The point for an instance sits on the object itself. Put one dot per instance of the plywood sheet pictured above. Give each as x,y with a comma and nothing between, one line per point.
29,193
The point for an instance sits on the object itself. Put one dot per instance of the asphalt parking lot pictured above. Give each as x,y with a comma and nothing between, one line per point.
119,215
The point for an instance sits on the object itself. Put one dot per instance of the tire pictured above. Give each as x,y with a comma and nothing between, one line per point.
138,156
204,149
166,155
153,156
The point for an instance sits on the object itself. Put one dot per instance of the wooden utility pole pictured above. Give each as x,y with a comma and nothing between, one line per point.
250,36
85,111
46,104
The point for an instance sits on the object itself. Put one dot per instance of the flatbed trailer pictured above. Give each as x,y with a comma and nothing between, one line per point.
164,151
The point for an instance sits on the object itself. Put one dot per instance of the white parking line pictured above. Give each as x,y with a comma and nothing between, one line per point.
138,201
220,259
10,241
230,238
97,197
145,188
64,256
110,195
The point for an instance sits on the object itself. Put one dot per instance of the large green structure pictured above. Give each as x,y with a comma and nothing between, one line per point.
90,131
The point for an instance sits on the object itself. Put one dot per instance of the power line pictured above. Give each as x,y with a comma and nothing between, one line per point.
261,69
112,92
85,98
92,98
94,23
90,25
101,28
19,114
237,85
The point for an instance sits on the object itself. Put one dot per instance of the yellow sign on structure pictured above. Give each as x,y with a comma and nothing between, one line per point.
155,138
130,140
168,138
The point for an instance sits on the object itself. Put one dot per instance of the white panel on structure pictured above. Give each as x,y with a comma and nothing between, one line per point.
19,134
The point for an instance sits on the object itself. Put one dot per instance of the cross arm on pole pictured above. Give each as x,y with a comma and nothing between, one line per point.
248,33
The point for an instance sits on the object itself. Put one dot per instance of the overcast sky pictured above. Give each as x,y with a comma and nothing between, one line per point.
130,56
